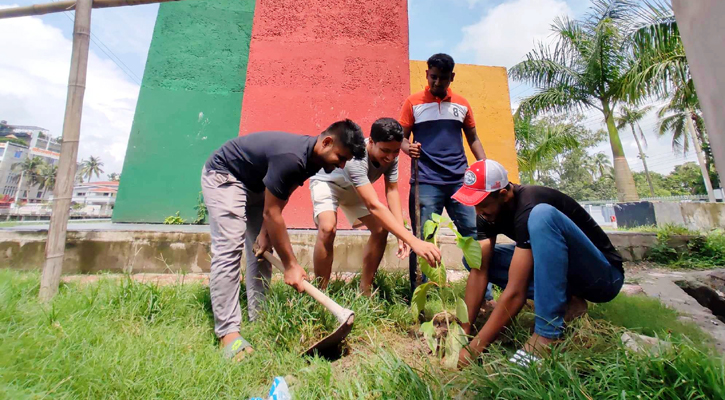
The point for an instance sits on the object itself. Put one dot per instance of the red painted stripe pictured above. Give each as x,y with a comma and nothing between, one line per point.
314,62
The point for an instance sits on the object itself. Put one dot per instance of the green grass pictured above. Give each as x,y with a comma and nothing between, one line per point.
703,250
649,317
127,340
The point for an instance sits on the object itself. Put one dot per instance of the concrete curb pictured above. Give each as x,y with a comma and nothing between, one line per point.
186,249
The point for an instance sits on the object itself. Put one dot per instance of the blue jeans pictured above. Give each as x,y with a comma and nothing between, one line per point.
433,199
558,244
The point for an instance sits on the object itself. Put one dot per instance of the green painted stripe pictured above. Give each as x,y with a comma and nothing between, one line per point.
189,104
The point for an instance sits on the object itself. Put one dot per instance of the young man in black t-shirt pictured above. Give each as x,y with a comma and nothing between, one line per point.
561,258
246,183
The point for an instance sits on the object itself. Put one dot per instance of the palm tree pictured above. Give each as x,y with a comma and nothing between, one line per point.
584,70
539,142
47,176
630,116
686,124
672,118
660,68
29,171
91,166
602,165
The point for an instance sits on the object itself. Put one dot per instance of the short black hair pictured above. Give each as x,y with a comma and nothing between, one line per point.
442,61
350,135
386,130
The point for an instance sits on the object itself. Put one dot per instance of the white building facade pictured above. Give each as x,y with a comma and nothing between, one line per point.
41,144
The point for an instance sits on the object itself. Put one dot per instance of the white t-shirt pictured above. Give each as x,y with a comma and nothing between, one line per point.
359,172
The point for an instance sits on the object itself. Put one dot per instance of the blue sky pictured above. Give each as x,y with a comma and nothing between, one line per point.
35,71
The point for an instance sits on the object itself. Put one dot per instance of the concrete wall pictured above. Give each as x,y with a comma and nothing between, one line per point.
486,89
289,65
189,104
696,216
167,252
703,216
159,252
314,62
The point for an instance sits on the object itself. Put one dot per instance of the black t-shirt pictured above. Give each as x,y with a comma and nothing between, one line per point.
278,161
513,222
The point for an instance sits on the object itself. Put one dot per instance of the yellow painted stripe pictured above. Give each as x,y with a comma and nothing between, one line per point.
486,89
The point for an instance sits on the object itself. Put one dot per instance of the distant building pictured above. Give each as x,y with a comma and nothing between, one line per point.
95,197
38,143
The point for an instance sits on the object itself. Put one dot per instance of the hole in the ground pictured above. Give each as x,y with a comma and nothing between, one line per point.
706,296
333,353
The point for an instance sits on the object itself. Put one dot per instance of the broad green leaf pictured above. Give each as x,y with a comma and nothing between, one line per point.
420,296
429,332
453,228
454,343
437,275
439,219
430,228
461,310
471,251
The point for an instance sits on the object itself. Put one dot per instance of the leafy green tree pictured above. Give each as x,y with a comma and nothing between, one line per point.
538,143
584,70
47,175
30,170
687,179
90,167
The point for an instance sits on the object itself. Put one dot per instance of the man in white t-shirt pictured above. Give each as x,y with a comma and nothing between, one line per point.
351,189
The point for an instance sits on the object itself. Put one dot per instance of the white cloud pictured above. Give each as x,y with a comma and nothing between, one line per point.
509,30
33,84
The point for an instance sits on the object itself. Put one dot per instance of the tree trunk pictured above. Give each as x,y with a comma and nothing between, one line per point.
55,247
644,162
700,156
623,179
20,188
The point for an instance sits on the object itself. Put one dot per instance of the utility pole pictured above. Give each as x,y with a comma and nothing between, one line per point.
55,246
63,192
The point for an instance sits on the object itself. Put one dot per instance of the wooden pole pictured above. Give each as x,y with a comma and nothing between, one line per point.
55,246
69,5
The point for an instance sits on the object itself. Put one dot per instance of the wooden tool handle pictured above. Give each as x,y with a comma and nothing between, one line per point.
339,312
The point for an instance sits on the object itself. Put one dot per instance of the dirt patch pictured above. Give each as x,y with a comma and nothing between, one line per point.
410,347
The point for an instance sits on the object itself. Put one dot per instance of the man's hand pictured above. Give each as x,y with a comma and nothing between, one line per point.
294,275
262,245
465,356
414,150
403,249
428,251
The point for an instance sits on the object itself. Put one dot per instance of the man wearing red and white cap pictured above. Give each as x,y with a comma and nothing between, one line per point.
561,258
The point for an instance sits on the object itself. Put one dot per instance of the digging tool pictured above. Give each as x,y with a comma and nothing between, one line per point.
419,229
329,345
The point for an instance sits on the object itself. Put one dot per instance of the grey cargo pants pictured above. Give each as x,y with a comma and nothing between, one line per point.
235,219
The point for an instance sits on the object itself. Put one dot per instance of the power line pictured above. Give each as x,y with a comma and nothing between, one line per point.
112,56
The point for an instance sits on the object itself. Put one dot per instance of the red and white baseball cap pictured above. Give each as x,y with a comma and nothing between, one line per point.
481,179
